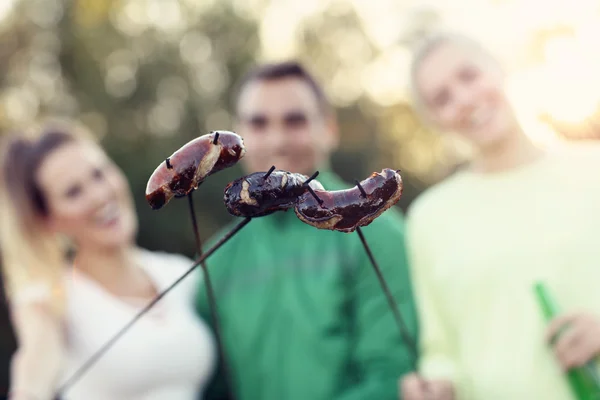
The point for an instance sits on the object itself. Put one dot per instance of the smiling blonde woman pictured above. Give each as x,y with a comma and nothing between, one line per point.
58,184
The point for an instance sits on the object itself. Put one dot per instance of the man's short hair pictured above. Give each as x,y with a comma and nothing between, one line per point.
282,70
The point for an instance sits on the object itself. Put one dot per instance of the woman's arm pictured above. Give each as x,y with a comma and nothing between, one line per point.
36,366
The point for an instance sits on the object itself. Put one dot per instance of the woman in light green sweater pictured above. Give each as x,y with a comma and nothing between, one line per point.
481,238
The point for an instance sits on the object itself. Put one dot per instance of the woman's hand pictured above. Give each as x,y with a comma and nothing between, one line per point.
579,343
414,387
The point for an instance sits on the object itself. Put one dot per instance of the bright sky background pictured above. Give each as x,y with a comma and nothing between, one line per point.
5,7
566,84
563,82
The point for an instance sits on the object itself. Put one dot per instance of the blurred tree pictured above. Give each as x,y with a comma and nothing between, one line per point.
377,132
149,75
146,76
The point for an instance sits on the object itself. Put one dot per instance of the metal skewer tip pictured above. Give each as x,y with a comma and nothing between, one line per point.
269,172
311,178
362,190
319,200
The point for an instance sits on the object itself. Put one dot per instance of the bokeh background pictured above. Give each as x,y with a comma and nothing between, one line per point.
148,75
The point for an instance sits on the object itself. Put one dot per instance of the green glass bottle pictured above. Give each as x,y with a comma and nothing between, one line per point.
585,380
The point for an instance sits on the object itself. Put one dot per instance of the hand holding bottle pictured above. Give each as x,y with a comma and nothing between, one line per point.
580,341
574,347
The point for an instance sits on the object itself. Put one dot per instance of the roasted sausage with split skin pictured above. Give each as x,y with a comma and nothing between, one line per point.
263,193
187,168
346,210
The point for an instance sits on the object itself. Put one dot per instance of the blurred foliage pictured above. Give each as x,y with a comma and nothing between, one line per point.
149,75
380,127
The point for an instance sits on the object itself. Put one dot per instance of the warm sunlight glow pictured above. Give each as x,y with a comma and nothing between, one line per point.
573,82
385,81
565,84
380,19
6,6
279,23
524,89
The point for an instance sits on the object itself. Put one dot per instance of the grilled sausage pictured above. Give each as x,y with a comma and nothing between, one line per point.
263,193
346,210
187,168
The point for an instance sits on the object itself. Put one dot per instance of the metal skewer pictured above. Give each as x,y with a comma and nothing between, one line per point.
210,294
390,298
410,342
406,336
408,339
96,356
269,172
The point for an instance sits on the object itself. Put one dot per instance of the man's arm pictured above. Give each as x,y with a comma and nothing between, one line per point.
381,356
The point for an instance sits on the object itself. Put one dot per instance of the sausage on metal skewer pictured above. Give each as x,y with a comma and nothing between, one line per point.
382,191
180,175
260,193
346,210
187,168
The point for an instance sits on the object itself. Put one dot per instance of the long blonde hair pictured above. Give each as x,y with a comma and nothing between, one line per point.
31,253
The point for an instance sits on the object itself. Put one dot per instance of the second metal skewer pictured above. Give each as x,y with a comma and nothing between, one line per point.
404,332
210,294
406,336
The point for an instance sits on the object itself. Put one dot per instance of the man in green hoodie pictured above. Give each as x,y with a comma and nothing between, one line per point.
302,313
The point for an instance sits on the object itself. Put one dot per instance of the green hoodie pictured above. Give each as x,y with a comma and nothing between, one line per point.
302,312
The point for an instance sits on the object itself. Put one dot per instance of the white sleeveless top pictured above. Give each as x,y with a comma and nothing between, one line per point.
169,353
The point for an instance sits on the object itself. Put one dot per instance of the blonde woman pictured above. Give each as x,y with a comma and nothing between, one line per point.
58,184
480,239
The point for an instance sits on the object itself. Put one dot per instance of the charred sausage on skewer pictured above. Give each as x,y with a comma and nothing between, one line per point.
187,168
346,210
263,193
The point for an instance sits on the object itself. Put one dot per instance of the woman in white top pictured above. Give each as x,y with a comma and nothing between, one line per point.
59,184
